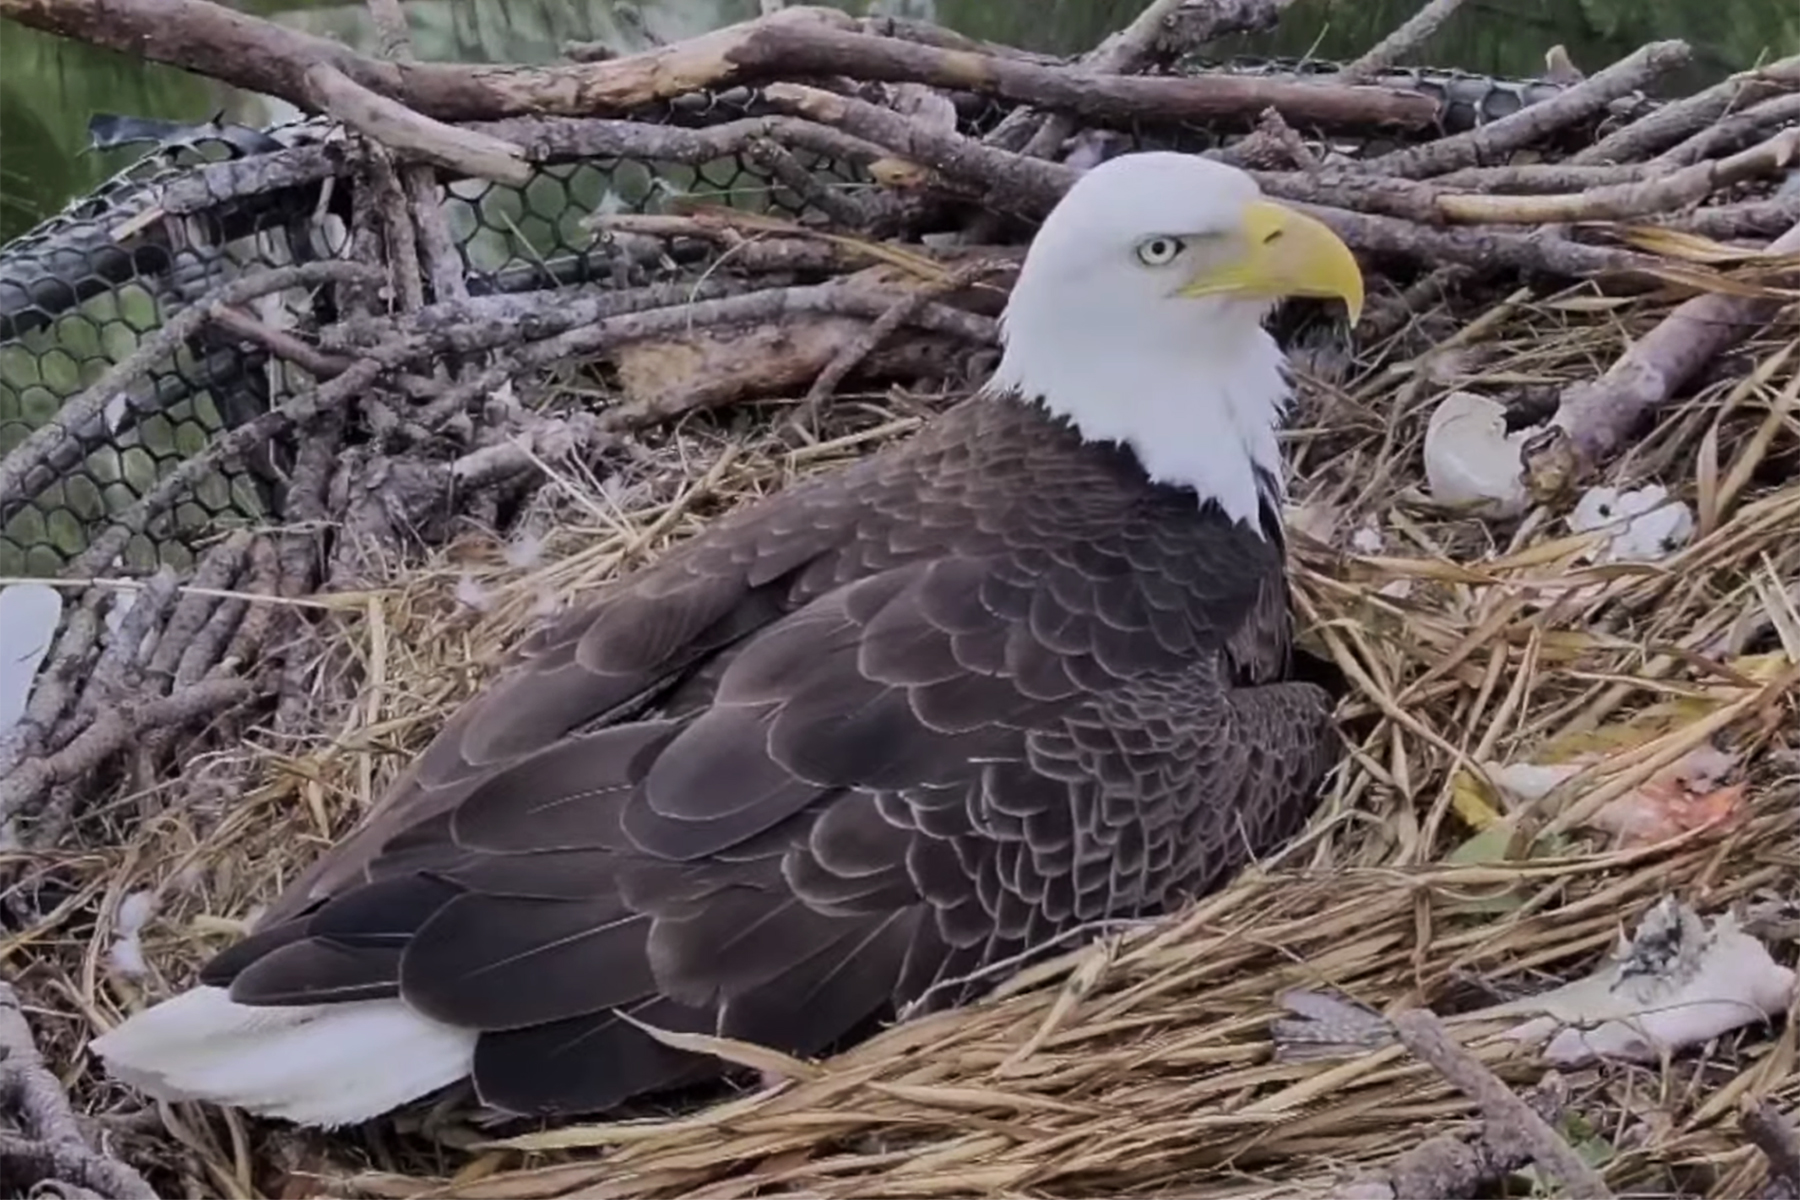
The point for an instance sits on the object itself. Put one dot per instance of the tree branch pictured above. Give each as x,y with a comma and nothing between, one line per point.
261,56
1594,417
1582,102
398,127
1656,193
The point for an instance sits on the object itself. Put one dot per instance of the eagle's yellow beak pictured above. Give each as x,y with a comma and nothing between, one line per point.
1285,253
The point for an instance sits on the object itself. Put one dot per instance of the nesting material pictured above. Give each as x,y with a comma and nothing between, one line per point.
1142,1064
1679,981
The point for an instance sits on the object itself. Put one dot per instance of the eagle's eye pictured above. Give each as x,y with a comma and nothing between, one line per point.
1159,251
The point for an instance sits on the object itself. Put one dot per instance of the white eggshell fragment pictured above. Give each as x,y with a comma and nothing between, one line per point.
1643,525
1471,461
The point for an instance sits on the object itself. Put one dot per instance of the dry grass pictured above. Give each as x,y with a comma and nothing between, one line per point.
1140,1065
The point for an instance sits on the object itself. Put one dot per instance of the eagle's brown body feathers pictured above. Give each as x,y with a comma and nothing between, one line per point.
851,744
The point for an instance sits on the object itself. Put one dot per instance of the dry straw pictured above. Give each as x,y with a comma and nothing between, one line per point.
1142,1064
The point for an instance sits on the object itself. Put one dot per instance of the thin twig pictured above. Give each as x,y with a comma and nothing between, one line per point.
879,330
1426,1037
279,342
1403,41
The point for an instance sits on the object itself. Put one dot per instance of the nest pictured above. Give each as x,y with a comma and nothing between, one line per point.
1143,1062
1150,1059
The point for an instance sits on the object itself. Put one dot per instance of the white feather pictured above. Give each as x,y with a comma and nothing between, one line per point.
325,1065
1196,387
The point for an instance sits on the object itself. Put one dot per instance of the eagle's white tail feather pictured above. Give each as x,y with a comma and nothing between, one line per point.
322,1064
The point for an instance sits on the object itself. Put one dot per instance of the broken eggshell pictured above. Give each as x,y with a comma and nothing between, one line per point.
1642,525
1675,984
1472,461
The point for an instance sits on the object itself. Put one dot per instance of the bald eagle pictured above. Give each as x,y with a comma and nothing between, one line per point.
1028,670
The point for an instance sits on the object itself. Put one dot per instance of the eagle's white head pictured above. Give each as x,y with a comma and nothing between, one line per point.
1139,316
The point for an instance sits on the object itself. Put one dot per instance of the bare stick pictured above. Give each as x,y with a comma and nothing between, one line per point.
280,343
400,128
111,732
388,197
264,579
1673,122
116,671
552,139
1005,182
58,685
216,572
1582,102
1729,133
1483,247
390,23
841,297
1159,33
1594,418
1426,1037
780,162
1117,55
51,1148
260,55
1658,193
1274,144
1402,42
176,483
882,328
256,54
1449,1166
1771,1133
1013,183
928,34
1755,219
443,267
1541,177
796,50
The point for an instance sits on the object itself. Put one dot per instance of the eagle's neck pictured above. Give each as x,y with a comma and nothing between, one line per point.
1198,414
